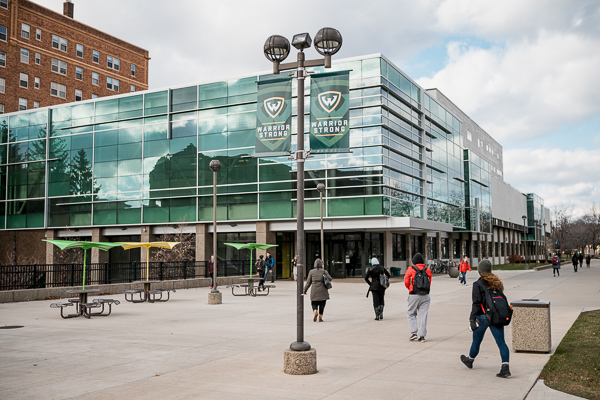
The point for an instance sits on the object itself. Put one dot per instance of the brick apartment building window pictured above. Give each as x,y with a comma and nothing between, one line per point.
132,70
24,56
60,43
38,58
38,34
22,104
78,95
24,80
95,78
112,84
2,85
59,66
113,62
96,56
94,96
4,3
2,59
79,73
36,82
132,88
36,104
1,108
3,33
80,50
25,30
58,90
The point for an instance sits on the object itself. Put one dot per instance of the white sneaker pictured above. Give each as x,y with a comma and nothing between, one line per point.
413,336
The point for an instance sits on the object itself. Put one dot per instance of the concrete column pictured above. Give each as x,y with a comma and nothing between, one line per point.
461,244
50,235
99,256
146,236
203,247
409,254
387,248
425,247
451,246
438,238
479,253
264,235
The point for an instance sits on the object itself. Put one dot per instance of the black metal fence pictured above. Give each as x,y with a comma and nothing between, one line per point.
13,277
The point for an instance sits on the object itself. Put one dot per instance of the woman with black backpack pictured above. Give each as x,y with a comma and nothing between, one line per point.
374,278
478,323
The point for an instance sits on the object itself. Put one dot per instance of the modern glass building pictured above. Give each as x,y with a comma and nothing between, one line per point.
139,163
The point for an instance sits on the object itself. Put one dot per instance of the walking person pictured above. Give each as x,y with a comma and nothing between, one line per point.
270,265
319,294
418,282
478,322
210,267
295,267
261,271
556,265
588,259
462,269
574,261
373,279
580,258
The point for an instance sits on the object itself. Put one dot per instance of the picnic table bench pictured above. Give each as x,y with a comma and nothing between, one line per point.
85,308
249,290
158,291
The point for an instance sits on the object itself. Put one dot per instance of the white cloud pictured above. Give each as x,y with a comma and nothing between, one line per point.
570,177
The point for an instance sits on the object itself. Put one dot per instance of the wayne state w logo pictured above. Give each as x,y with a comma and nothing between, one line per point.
329,100
274,105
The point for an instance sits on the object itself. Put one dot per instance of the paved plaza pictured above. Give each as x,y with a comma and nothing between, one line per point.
187,349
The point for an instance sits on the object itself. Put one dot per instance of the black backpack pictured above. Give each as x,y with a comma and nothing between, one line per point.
421,284
497,310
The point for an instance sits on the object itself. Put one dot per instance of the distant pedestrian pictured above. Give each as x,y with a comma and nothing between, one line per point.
556,265
261,271
418,282
373,279
588,259
574,261
319,294
270,265
580,258
478,322
210,267
462,268
295,267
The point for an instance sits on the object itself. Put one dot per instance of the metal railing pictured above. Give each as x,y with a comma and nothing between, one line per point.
36,276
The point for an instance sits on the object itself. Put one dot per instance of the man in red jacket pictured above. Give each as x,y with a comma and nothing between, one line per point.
462,268
418,282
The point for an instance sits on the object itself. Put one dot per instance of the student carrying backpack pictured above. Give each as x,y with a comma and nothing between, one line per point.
555,265
418,282
490,309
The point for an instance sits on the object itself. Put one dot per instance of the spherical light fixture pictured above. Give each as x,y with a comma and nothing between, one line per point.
328,42
215,165
276,49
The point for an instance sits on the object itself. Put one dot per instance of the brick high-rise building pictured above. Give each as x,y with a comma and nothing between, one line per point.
47,58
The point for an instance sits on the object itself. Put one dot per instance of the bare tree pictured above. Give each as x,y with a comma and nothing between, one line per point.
184,251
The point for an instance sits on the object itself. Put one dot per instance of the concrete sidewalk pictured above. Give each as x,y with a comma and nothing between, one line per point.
187,349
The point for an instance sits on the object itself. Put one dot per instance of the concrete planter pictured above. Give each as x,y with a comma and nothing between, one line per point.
453,272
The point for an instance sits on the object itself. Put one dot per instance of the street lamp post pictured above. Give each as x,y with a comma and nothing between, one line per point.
328,41
524,237
321,189
215,166
544,247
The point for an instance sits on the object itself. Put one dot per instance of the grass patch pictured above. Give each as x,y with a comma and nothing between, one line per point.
575,366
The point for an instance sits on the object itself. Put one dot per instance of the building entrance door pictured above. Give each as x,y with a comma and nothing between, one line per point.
337,258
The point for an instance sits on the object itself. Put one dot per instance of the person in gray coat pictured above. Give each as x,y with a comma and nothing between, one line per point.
319,294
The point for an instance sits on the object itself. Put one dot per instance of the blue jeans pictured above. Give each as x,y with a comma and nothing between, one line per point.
498,334
463,280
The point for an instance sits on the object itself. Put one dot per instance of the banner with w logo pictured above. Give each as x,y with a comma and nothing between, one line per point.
329,112
274,118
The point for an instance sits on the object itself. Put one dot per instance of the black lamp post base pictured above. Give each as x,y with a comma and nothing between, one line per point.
300,346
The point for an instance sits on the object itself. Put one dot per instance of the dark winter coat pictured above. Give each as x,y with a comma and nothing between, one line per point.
319,291
372,277
574,259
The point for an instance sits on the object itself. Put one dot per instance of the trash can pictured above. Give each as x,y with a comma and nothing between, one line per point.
531,326
396,271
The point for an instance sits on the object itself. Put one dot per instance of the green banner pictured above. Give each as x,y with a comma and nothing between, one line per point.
274,118
329,112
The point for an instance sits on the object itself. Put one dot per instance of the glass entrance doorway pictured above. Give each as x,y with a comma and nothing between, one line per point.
343,253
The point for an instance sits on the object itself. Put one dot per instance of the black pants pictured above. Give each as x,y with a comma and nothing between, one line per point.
378,297
320,305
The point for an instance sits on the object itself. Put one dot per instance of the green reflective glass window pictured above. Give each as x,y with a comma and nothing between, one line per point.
155,103
106,138
156,148
182,145
106,185
184,99
104,216
130,107
130,135
212,91
132,150
184,128
238,122
105,169
371,67
129,212
216,124
155,132
36,150
345,207
107,153
274,172
241,86
214,141
129,183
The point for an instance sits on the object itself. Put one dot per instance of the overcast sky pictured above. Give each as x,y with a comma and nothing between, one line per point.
528,72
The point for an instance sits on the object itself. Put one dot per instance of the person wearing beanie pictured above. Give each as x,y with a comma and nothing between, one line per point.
319,294
378,291
478,323
418,282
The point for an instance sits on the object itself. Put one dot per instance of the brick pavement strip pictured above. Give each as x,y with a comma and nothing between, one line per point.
188,349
